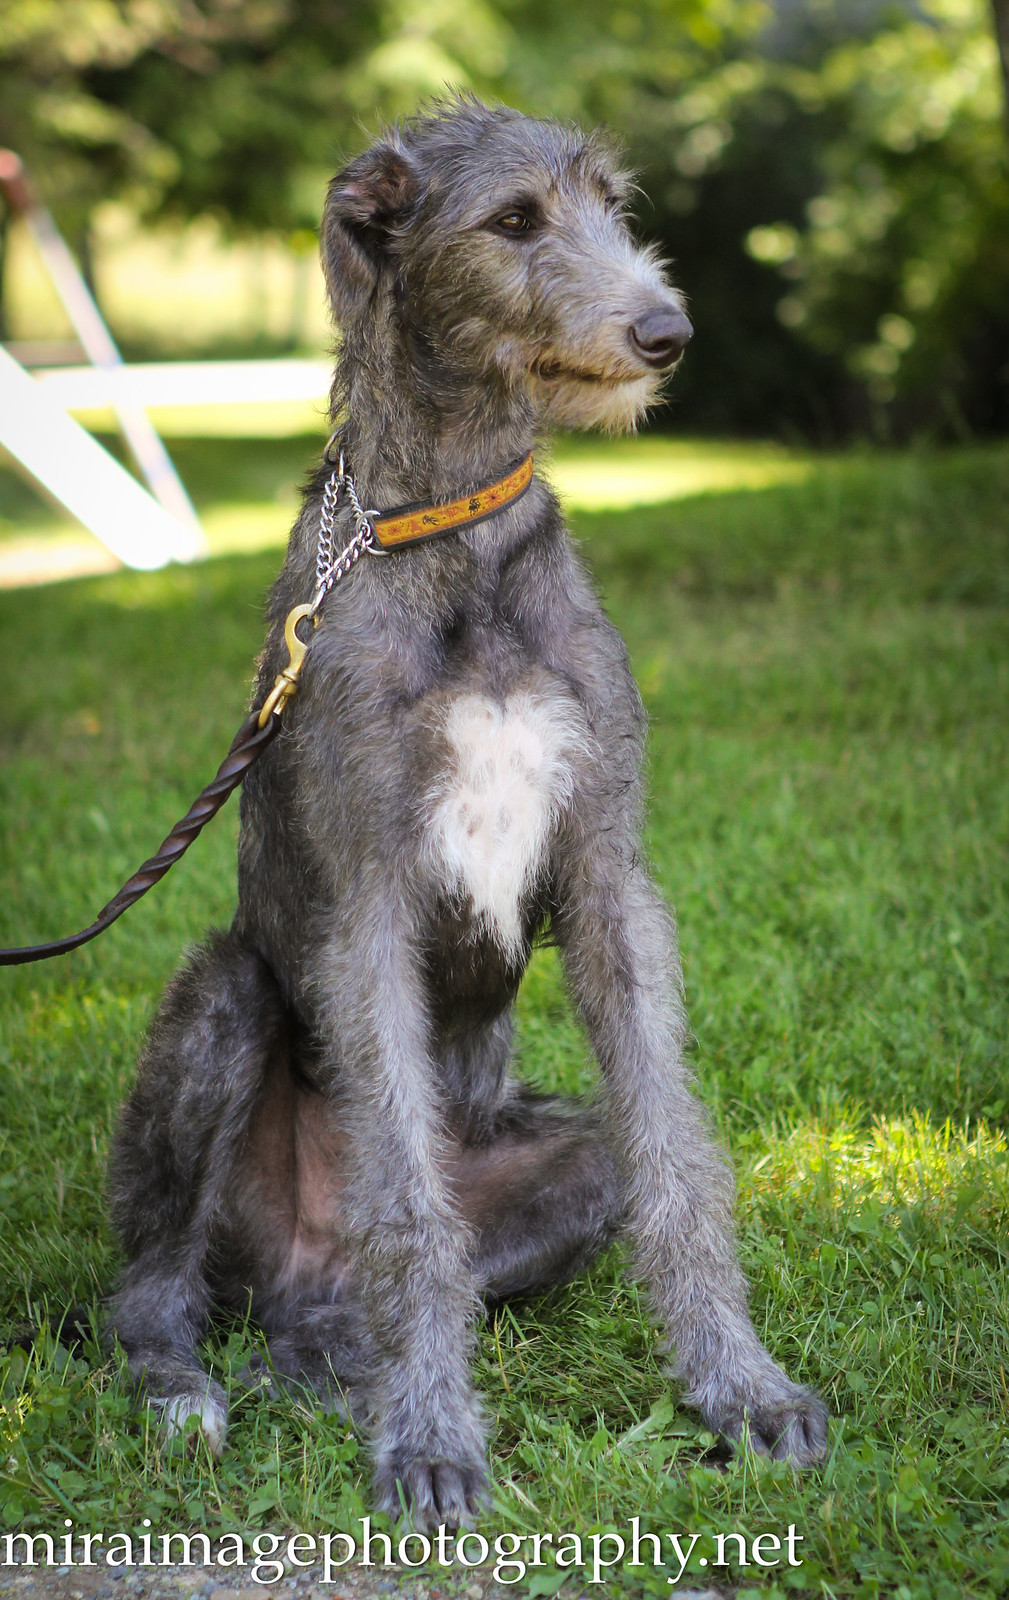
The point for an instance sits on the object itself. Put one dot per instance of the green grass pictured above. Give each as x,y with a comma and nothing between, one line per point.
826,668
247,498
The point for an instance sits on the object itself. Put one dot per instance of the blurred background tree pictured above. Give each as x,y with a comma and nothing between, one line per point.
829,176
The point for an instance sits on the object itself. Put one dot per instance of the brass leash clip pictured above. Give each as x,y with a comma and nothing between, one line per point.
287,681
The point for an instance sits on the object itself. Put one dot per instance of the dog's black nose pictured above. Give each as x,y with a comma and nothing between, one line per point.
660,337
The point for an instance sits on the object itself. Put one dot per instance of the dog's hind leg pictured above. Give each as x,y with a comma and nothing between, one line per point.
199,1077
543,1197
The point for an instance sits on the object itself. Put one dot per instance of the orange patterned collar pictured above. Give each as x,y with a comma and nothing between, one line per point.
409,524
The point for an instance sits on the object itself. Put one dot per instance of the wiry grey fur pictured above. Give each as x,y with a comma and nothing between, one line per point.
324,1116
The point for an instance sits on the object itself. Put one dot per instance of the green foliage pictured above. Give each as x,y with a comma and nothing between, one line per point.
902,267
824,665
835,189
831,180
60,64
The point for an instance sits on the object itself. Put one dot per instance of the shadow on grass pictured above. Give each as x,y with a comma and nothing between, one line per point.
905,528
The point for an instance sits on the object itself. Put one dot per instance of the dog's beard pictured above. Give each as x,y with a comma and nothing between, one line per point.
594,390
614,407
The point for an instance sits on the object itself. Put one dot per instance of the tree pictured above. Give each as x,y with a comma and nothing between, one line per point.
831,180
1000,11
178,106
899,270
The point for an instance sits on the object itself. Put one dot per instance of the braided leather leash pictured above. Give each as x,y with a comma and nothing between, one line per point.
375,534
257,731
248,745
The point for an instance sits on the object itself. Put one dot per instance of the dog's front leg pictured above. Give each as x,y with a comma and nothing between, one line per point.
410,1249
622,965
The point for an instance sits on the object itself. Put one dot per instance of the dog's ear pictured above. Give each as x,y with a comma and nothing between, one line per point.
365,201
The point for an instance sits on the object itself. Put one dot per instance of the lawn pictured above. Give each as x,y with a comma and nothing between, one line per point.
248,497
825,663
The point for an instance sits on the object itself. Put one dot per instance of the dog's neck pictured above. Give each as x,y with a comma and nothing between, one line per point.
417,426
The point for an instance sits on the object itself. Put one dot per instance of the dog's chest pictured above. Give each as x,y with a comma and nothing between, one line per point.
506,776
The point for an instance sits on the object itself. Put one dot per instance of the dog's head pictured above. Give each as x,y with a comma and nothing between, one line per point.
500,245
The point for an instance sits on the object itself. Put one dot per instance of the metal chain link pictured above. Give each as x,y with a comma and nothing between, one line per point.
330,567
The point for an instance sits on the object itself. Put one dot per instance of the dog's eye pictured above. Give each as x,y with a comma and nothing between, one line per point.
514,222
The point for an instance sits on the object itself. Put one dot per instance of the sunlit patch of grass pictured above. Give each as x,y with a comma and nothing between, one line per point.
231,529
305,420
903,1230
612,474
953,1170
213,449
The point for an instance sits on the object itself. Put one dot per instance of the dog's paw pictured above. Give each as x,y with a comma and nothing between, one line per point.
432,1492
209,1407
787,1424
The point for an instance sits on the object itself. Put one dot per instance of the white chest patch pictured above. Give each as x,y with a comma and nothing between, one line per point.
494,810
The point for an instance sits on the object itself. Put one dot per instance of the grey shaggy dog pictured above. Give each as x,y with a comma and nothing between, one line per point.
325,1121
